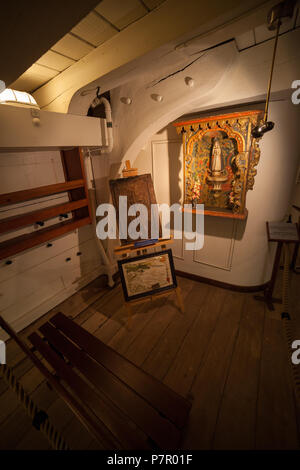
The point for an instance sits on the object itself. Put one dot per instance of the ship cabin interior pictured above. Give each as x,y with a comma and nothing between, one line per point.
116,333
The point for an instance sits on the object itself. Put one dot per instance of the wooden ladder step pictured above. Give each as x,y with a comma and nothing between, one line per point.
162,398
160,430
109,415
29,240
41,191
13,223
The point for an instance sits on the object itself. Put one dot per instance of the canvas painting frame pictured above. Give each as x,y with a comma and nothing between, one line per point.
163,270
138,190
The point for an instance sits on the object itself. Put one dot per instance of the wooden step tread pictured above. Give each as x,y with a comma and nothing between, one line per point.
29,240
134,410
41,191
29,218
165,400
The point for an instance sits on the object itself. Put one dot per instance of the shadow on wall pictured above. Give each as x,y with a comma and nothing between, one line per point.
175,169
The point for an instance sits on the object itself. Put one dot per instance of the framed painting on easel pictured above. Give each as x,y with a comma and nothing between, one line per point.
138,190
147,275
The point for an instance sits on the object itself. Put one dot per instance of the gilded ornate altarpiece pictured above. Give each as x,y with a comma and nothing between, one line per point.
220,159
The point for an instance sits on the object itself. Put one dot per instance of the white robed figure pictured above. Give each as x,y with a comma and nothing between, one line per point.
217,174
216,157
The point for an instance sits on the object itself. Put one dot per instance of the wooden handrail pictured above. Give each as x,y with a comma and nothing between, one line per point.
30,218
88,420
29,240
27,194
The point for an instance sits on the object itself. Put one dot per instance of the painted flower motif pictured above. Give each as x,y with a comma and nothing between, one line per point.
196,190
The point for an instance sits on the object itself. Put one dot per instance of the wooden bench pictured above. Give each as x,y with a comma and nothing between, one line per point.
122,406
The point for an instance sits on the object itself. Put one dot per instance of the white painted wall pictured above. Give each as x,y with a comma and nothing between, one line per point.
234,252
223,77
17,130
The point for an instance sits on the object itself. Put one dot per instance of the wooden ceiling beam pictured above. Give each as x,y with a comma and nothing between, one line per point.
29,29
174,19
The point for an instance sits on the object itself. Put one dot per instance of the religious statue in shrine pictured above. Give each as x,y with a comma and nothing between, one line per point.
217,174
216,156
220,159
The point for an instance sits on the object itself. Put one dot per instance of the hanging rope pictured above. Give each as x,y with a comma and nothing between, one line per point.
39,418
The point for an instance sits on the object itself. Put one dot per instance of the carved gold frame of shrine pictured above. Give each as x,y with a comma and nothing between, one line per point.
237,126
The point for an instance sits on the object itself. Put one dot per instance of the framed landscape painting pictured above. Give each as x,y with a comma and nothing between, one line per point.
148,274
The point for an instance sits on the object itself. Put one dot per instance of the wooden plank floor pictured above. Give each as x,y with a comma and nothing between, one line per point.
227,353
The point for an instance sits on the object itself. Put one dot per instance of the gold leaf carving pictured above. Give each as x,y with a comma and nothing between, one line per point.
254,159
235,197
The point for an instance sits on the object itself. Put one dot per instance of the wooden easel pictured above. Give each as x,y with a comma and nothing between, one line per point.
131,249
177,290
128,251
128,170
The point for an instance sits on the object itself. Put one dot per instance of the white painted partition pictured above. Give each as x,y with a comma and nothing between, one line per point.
55,130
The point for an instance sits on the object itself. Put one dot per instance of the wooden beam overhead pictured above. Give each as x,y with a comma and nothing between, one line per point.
29,29
162,25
